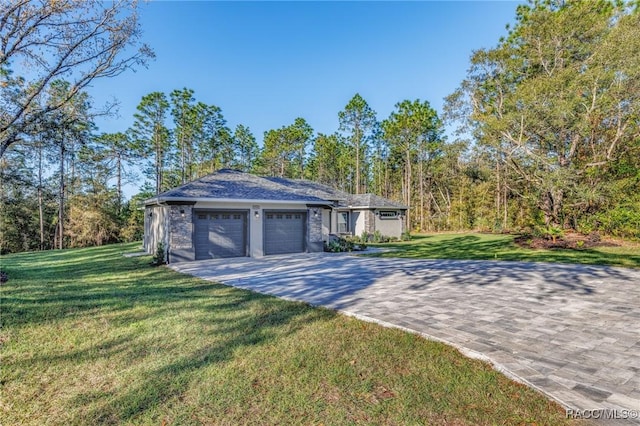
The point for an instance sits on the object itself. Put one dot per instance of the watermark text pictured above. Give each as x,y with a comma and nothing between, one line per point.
603,414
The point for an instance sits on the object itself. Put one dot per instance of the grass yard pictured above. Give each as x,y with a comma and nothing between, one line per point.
91,337
502,247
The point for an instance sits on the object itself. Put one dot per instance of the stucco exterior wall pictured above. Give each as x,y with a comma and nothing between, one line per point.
334,222
155,228
255,229
363,220
326,224
357,222
392,227
174,225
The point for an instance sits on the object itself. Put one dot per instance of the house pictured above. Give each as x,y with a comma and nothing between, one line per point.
231,214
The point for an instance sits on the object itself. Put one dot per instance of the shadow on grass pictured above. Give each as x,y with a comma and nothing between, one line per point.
71,289
500,247
155,387
164,330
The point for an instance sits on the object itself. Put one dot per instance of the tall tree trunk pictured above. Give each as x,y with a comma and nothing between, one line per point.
498,194
72,169
408,185
558,198
183,162
302,163
61,196
358,143
357,189
282,162
158,164
421,173
40,201
551,206
505,205
429,204
119,181
460,209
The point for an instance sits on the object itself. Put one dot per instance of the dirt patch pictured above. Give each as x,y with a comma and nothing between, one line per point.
570,240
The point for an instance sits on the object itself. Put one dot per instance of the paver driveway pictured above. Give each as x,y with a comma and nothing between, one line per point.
572,331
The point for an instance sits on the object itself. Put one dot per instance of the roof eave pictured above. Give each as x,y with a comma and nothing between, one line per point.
159,200
377,207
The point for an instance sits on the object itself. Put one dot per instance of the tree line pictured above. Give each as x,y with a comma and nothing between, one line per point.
548,136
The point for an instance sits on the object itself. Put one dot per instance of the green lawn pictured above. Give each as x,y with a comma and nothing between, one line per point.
91,337
502,247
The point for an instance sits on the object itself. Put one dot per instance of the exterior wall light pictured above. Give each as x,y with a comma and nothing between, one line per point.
256,214
182,212
150,214
315,212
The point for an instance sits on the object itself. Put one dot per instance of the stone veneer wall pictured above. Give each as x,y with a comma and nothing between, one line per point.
180,228
369,221
315,231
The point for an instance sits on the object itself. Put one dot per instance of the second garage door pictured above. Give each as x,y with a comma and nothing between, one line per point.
220,234
284,232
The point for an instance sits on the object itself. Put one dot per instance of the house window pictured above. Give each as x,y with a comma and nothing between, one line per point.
388,214
343,222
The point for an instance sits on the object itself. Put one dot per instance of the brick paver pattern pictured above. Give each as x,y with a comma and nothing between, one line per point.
571,331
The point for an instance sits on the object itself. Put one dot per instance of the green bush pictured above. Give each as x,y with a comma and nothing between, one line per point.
406,236
339,245
160,258
550,232
622,221
364,237
359,243
379,238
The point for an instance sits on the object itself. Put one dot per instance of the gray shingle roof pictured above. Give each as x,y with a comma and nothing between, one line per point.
230,184
233,184
373,201
308,187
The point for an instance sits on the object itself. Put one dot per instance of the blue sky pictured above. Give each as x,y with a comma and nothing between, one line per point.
266,63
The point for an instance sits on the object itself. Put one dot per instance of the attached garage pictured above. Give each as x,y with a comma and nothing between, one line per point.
220,234
284,232
230,213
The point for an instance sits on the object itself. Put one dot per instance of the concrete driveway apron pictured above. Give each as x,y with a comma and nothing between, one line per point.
571,331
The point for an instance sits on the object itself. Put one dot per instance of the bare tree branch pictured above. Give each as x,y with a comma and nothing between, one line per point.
43,41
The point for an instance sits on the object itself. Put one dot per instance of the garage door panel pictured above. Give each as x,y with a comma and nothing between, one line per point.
284,232
220,234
